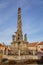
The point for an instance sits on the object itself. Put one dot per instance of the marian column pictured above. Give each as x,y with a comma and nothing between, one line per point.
19,26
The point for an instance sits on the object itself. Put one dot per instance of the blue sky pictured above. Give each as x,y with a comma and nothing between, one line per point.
32,19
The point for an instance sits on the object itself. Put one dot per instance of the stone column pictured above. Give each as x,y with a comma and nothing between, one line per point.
6,52
19,54
33,52
3,51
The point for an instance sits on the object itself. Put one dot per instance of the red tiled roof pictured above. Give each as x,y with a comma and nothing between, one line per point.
7,48
1,45
32,44
35,44
41,43
41,49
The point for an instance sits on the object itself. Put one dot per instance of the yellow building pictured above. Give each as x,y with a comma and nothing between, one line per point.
32,47
40,47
